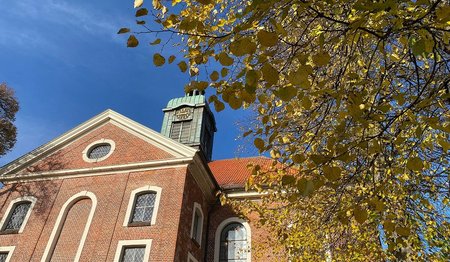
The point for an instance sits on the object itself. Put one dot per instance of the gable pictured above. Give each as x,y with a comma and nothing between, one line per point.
132,143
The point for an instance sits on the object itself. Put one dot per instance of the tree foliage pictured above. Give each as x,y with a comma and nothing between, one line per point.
353,99
8,109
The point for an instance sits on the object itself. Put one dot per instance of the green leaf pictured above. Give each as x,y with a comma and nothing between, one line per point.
132,41
242,46
158,59
123,30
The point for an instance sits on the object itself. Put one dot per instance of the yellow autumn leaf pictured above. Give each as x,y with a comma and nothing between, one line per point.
158,59
360,214
332,173
214,76
225,60
321,59
251,78
141,12
414,164
132,41
219,106
224,72
242,46
183,66
157,41
171,59
138,3
266,38
270,74
123,30
286,93
259,143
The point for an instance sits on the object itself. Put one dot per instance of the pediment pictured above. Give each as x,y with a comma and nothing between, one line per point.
132,142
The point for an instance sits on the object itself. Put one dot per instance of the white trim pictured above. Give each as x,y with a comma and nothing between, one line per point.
219,231
95,143
6,216
191,258
60,223
103,170
108,116
132,199
141,242
10,250
244,194
198,207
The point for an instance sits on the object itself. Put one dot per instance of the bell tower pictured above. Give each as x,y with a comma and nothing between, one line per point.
190,121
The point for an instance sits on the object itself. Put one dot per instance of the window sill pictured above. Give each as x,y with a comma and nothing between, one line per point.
139,224
195,242
9,232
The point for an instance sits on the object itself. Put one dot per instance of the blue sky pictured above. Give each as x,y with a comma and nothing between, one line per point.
67,64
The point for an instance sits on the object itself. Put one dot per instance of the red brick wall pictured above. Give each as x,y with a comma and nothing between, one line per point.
129,149
73,227
192,194
113,193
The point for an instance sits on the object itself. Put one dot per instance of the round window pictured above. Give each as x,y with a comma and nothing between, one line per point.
99,151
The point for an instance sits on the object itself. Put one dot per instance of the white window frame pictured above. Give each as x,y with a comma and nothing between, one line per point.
132,201
197,208
130,243
10,250
98,142
60,223
7,214
191,258
219,232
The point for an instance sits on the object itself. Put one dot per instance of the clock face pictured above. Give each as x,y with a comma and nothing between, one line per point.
183,113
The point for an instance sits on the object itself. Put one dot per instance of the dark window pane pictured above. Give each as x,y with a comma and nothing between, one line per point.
196,228
181,131
17,216
143,207
3,256
99,151
133,254
233,243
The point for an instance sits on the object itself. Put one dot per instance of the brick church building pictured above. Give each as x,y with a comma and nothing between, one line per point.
112,189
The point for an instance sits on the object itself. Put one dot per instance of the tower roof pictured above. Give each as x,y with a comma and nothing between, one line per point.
194,100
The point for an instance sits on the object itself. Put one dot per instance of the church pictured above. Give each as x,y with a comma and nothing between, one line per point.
112,189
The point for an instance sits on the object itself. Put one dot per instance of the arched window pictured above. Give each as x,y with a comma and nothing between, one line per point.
71,228
143,206
17,214
197,223
233,241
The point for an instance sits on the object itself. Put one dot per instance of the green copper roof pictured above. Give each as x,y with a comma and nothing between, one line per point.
186,100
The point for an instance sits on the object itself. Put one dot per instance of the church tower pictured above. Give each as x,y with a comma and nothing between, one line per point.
190,121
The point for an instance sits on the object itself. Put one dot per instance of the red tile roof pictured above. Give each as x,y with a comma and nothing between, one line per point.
233,172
